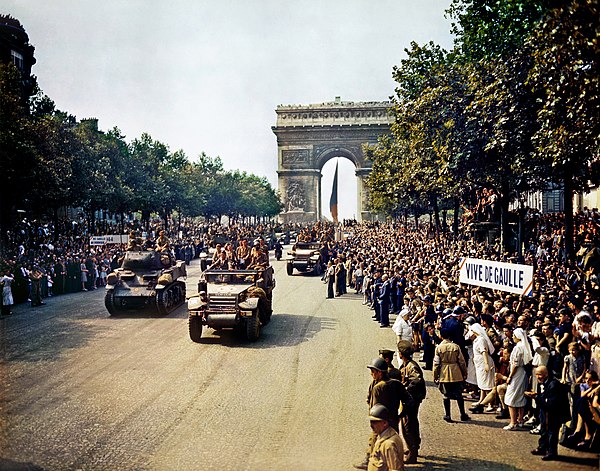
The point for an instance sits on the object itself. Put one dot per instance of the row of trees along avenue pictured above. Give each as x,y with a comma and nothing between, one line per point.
512,107
49,160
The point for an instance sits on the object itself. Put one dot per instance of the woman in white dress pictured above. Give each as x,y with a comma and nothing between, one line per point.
517,380
485,369
6,279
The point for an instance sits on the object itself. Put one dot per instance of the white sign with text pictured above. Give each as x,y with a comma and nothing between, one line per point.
511,277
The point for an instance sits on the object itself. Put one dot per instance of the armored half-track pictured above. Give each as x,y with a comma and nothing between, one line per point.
147,280
238,299
305,257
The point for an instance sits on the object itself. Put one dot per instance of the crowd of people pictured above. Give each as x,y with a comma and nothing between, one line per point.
532,360
42,259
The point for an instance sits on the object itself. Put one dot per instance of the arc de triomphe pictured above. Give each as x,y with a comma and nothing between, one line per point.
309,135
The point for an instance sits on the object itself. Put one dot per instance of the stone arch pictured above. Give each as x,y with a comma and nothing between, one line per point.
310,135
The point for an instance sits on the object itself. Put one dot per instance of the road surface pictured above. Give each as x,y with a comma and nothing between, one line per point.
80,390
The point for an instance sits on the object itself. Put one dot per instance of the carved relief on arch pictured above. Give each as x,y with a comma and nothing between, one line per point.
294,157
295,198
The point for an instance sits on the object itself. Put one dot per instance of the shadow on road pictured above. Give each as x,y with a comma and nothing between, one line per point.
10,465
438,463
284,330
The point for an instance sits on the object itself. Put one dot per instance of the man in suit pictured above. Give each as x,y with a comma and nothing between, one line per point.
551,396
384,302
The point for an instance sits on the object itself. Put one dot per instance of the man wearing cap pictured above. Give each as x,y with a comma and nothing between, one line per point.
455,327
388,450
388,356
414,382
388,392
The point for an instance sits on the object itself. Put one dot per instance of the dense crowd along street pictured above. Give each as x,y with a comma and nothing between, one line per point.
405,279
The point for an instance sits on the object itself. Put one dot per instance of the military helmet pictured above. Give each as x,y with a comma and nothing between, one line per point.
379,412
378,364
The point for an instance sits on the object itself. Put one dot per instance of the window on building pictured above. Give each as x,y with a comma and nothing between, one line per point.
17,59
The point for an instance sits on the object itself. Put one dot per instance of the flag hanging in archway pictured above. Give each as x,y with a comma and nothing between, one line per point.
333,201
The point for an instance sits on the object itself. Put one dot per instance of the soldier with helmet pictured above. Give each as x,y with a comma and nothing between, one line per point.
388,392
388,451
258,257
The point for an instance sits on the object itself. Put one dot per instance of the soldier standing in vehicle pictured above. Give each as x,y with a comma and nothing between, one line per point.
243,254
258,257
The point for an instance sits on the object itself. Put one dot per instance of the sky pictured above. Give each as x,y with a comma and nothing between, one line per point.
207,75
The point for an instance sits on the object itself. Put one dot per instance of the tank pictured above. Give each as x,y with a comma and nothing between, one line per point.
148,281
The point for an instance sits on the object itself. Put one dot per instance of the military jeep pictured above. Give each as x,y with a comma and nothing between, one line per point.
237,299
305,257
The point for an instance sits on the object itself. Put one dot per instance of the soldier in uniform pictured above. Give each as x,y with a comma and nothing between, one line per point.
414,382
243,254
163,243
135,243
388,392
35,276
258,258
387,453
388,356
449,372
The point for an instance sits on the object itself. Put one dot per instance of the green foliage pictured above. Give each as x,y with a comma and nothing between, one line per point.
513,106
49,160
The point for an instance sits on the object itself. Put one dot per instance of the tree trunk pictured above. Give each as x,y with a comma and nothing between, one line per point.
436,211
504,198
455,218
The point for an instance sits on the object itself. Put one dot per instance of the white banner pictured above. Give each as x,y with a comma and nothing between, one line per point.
109,239
510,277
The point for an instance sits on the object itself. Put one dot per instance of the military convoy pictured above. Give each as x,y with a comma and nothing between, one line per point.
305,257
146,279
237,299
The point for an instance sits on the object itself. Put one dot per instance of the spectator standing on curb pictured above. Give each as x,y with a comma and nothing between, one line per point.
551,396
517,380
84,272
6,279
449,372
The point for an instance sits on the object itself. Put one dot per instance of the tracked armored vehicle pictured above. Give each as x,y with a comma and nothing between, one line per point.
237,299
146,280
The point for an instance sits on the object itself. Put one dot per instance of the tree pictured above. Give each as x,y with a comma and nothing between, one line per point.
565,71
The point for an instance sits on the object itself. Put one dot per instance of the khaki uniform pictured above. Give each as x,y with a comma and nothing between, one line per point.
449,364
412,378
387,453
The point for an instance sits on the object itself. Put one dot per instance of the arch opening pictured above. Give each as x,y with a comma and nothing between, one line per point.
347,188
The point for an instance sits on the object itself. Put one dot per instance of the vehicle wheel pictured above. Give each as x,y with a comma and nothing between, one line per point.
109,302
265,311
179,294
290,269
253,327
195,327
164,301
